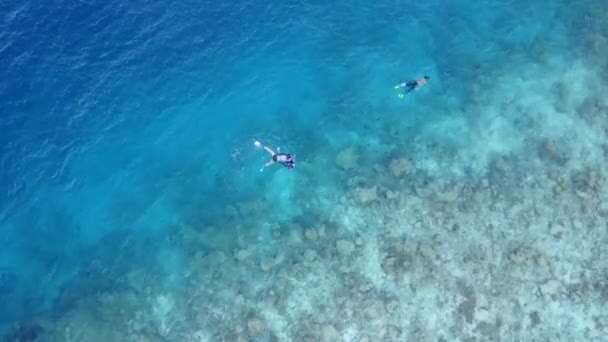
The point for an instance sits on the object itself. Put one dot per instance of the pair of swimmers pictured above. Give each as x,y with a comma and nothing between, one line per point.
288,160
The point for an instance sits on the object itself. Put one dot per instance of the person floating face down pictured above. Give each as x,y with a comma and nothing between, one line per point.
410,85
286,159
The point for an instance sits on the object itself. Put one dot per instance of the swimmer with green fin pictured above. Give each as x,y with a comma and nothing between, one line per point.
406,87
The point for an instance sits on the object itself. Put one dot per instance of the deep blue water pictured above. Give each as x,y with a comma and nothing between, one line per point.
123,122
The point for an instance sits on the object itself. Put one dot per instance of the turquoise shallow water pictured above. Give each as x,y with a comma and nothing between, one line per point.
132,207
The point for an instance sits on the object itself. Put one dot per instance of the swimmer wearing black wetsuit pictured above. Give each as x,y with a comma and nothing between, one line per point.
411,85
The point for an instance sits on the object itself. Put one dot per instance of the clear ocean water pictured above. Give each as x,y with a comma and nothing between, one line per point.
132,207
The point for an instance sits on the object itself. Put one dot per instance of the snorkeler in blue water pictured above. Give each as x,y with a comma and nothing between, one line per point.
286,159
410,85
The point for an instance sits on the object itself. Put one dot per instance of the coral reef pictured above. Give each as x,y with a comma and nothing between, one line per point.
347,159
488,224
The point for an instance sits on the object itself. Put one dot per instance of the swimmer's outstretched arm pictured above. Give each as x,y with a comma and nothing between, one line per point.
269,150
258,145
266,165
